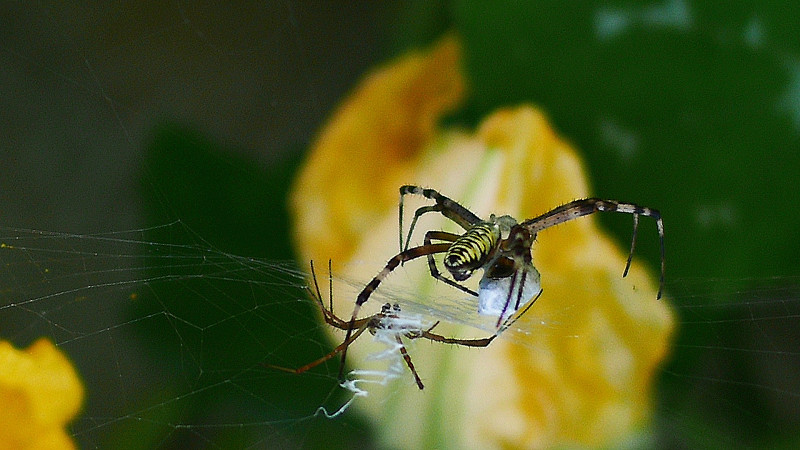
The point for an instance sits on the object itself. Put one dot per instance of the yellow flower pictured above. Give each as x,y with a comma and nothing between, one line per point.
580,373
40,392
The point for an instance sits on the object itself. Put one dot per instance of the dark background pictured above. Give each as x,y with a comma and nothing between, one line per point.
125,116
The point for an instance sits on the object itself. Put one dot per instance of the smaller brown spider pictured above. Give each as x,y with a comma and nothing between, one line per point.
386,319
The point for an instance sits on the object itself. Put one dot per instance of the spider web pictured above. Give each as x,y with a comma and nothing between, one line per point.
169,322
133,315
105,298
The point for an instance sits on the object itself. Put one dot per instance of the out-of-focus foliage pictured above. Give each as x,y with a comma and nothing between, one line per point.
686,107
691,108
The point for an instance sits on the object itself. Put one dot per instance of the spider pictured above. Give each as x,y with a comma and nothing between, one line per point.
500,246
385,319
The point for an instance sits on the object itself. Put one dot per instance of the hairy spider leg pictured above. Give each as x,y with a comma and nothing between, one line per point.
579,208
375,322
633,244
361,325
389,311
420,211
446,206
410,364
482,342
364,326
363,296
331,319
518,244
327,314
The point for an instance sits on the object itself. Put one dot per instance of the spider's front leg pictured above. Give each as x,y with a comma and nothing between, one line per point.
444,205
580,208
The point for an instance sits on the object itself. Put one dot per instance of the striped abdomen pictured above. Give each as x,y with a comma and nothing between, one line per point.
470,251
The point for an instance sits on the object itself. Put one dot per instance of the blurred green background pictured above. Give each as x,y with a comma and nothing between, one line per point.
135,115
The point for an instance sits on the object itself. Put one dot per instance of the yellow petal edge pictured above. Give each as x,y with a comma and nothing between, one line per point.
40,392
580,371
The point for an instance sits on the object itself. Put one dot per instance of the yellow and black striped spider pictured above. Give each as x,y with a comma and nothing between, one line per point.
500,246
386,319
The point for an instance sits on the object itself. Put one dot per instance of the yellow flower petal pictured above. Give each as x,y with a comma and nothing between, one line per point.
582,374
375,134
40,392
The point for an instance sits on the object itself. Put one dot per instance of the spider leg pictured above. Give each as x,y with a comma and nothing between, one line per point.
331,319
327,314
633,244
446,206
410,364
514,317
455,341
363,296
341,348
580,208
483,342
511,290
435,273
330,288
433,326
518,247
420,211
520,292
